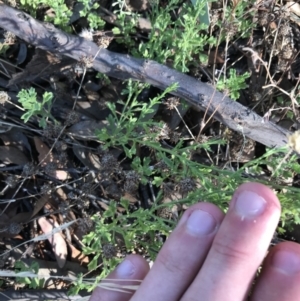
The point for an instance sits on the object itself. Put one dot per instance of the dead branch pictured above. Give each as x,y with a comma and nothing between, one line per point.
200,95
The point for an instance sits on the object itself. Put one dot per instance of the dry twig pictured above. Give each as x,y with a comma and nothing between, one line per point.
201,95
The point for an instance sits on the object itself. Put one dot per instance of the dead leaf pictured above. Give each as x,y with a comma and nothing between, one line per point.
78,256
46,157
294,7
12,155
86,157
24,217
87,129
59,246
15,137
43,64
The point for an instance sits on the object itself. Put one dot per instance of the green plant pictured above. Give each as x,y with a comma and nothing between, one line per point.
34,108
104,78
138,229
89,11
233,84
143,229
180,41
33,283
3,48
126,24
60,15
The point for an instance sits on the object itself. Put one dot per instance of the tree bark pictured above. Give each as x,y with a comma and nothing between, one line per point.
201,95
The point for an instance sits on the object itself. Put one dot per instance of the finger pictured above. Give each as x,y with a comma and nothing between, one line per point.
239,246
280,277
182,255
134,267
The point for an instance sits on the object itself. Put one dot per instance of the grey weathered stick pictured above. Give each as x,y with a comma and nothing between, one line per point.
201,95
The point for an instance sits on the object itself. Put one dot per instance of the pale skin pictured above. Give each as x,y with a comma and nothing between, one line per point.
211,256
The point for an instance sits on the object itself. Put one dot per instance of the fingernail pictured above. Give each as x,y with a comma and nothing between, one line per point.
200,223
125,268
286,261
249,204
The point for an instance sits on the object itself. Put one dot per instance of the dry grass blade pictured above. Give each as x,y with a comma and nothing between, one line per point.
105,283
7,273
55,230
110,284
43,236
119,288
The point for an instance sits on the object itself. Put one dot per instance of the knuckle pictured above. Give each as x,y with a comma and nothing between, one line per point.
172,264
231,252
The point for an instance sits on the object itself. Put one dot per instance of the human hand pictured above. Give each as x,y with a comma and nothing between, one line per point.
214,257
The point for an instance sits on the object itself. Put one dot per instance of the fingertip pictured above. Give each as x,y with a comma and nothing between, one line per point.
285,257
280,270
264,191
209,208
133,268
139,264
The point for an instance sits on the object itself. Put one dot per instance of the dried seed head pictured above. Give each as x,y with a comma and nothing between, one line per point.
64,207
263,18
85,224
130,187
186,185
284,30
174,136
104,41
215,17
46,189
14,228
83,203
9,37
230,28
132,181
132,175
109,251
4,97
168,189
50,168
72,118
53,131
172,103
86,62
61,146
165,212
28,169
87,34
109,162
11,181
294,141
162,166
161,131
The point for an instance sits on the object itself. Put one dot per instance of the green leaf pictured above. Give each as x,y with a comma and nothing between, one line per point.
116,31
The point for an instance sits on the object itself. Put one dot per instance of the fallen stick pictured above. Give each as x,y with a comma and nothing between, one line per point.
201,95
38,295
